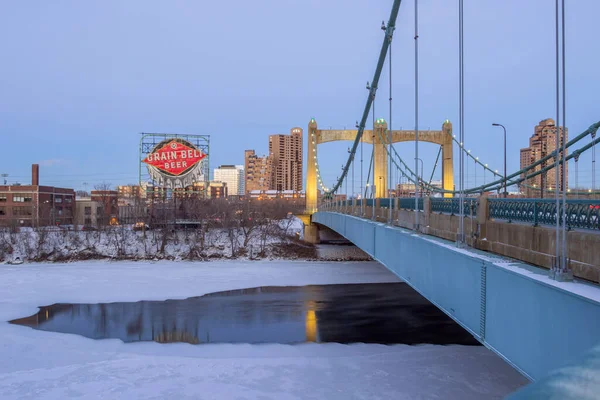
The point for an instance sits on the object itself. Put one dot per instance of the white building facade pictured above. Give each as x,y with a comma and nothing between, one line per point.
233,175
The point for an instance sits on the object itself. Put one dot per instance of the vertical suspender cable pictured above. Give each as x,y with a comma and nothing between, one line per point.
461,236
389,179
417,183
362,198
372,163
352,155
557,266
565,267
594,165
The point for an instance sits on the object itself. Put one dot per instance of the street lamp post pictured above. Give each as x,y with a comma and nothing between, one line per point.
505,192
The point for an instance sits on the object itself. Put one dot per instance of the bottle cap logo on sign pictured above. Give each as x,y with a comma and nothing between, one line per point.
175,157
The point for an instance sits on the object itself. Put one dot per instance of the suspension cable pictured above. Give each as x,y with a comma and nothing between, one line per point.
373,88
435,165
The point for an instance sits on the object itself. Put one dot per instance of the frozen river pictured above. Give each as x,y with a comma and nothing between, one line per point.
49,365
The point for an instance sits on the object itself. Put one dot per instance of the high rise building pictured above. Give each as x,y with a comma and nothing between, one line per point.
233,175
286,157
541,144
257,170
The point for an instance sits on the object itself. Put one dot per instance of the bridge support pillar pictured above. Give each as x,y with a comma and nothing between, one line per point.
447,163
311,234
380,159
311,168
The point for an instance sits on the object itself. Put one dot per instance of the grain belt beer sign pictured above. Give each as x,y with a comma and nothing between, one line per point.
175,163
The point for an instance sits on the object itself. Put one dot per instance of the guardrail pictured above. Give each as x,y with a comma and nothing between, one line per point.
452,206
581,214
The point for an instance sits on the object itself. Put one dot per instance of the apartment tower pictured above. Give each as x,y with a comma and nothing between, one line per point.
285,152
541,144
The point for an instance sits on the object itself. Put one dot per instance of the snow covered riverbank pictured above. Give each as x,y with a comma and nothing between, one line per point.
274,239
45,365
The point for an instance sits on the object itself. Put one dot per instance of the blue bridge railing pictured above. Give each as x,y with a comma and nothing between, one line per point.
452,206
581,214
404,203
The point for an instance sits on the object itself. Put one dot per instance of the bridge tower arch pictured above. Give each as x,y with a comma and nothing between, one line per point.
379,138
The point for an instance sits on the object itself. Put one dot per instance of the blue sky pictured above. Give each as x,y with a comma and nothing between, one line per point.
80,80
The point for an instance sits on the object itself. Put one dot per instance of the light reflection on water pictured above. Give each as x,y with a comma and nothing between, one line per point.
370,313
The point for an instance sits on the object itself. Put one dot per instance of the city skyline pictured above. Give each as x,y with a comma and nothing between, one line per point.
81,99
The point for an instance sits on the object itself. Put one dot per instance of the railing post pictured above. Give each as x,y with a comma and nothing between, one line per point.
483,214
374,208
426,211
535,213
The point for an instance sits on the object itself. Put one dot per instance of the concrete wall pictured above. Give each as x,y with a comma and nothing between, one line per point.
529,320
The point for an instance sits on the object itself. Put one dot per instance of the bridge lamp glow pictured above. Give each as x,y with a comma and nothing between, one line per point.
486,165
477,158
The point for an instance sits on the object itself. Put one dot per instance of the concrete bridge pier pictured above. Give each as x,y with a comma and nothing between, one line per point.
311,230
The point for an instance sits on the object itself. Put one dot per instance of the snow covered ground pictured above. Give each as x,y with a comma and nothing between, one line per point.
45,365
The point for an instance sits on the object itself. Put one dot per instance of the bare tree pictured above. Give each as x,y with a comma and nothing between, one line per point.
105,195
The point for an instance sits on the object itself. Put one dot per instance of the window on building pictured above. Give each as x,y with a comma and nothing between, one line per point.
2,211
68,199
58,199
88,221
2,197
27,199
87,211
22,211
18,198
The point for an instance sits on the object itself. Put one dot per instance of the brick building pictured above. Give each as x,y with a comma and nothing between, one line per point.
36,205
281,170
258,171
109,201
285,152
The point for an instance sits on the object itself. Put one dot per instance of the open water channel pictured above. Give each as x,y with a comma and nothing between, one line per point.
385,313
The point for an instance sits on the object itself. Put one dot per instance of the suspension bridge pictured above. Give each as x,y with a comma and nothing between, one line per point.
520,274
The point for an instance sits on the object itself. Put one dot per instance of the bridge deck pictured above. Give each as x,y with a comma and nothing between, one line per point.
533,322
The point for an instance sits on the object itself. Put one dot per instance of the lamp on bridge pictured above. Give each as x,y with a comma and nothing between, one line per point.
505,192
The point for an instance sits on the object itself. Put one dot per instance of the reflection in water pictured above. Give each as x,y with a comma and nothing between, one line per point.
370,313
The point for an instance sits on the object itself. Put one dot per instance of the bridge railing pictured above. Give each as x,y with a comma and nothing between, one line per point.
581,214
452,206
